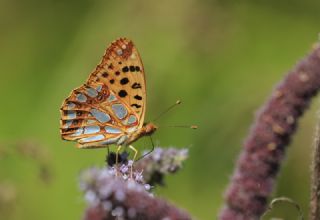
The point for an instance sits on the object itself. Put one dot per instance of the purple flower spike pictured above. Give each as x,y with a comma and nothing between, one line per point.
264,149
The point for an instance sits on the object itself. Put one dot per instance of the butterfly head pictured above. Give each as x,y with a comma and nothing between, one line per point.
149,128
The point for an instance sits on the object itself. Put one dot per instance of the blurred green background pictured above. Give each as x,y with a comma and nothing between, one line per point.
221,58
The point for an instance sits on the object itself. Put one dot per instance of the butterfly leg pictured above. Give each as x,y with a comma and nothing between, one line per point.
117,158
134,157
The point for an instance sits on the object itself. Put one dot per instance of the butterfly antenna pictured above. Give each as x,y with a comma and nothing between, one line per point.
149,152
178,102
182,126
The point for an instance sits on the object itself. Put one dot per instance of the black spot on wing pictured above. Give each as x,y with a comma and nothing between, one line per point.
137,97
125,69
122,93
136,105
105,74
132,68
124,81
136,85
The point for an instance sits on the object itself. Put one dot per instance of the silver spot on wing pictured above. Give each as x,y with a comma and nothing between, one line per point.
92,138
111,98
70,105
71,114
78,132
91,129
100,116
112,130
110,141
132,119
81,97
119,52
132,129
89,122
92,92
67,124
99,87
119,110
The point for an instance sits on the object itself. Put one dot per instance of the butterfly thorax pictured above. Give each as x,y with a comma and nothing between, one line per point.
145,130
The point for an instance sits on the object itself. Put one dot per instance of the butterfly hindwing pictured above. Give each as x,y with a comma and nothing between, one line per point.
95,117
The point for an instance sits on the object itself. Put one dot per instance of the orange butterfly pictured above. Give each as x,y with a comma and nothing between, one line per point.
110,107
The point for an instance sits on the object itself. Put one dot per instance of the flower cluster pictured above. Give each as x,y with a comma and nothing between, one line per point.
107,188
120,192
160,163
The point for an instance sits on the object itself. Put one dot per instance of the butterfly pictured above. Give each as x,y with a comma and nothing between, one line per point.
109,108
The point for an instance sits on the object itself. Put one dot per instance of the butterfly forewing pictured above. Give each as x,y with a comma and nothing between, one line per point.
110,104
122,70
